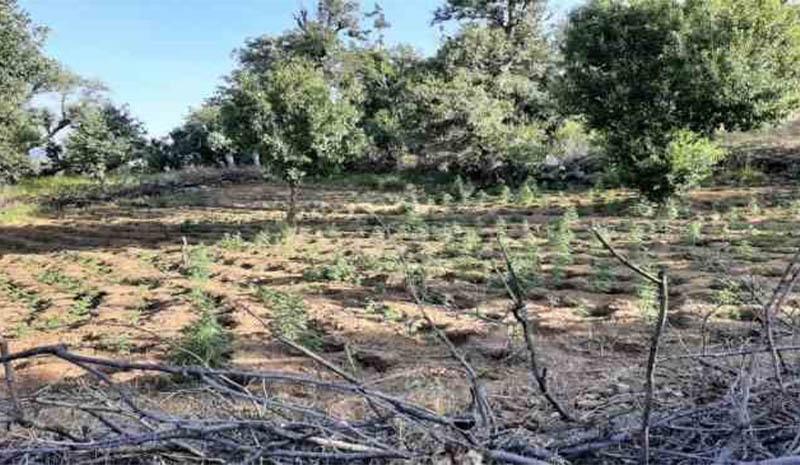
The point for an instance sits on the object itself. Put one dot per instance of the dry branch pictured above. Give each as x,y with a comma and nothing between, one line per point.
520,311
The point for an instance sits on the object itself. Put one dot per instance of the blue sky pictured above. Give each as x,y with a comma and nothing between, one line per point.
163,56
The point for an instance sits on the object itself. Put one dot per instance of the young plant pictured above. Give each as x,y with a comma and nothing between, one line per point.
635,237
340,270
197,263
289,317
504,195
603,278
525,196
647,300
694,233
472,242
444,199
203,342
282,234
460,190
561,237
413,222
794,208
232,242
384,310
753,208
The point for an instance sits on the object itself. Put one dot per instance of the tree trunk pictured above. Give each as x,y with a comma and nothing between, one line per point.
256,159
230,162
291,214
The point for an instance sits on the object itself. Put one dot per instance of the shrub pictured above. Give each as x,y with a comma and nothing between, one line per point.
387,312
232,242
460,190
412,221
341,270
646,300
504,194
281,234
561,237
203,342
197,263
525,196
289,317
694,232
660,77
444,198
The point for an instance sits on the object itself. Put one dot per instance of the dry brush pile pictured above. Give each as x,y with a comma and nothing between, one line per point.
738,406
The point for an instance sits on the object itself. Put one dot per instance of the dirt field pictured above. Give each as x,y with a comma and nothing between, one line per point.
113,280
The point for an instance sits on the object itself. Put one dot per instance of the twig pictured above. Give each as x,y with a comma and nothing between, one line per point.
19,413
788,281
663,293
651,363
520,311
734,353
648,276
479,400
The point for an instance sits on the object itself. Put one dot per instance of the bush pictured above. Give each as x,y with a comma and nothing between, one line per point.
341,270
289,317
525,196
660,173
197,262
203,342
460,190
658,78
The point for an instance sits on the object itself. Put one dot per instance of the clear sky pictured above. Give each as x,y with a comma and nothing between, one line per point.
163,56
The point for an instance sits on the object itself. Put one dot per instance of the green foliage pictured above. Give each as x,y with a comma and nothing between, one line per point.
57,278
203,342
199,141
416,279
659,78
525,196
602,278
197,264
282,234
460,190
561,237
462,243
340,270
456,113
23,69
753,208
694,232
482,105
289,317
647,300
413,222
794,208
17,214
444,198
233,242
93,148
19,294
504,194
292,118
385,311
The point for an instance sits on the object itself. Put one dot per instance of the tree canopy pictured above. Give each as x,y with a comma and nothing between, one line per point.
644,72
